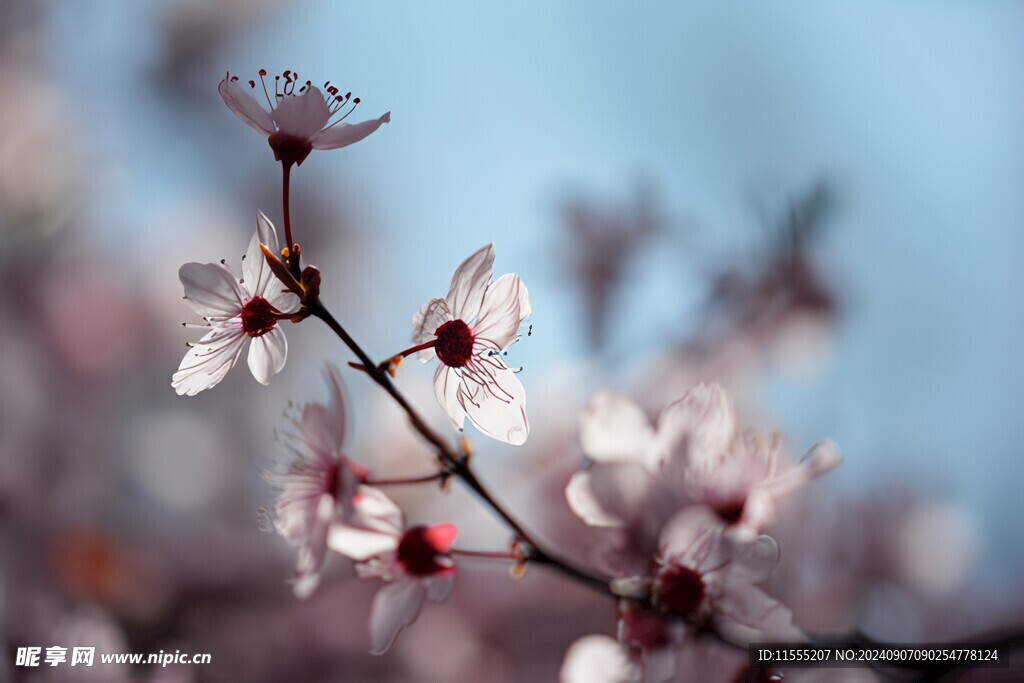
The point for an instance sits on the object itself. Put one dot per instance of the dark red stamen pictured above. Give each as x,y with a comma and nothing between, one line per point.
454,343
678,590
258,317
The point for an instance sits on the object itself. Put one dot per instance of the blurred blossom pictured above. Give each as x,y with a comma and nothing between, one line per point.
40,166
320,485
599,659
937,547
178,459
82,306
602,239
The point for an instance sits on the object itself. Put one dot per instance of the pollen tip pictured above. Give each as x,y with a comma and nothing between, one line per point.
252,84
223,261
356,100
263,72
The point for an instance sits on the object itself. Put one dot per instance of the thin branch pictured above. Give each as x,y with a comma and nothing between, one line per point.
458,466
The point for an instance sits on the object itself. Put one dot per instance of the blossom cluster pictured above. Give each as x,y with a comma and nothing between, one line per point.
680,505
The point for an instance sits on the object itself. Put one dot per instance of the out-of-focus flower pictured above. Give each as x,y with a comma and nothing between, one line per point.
468,331
599,659
300,120
694,455
236,311
705,575
320,483
416,563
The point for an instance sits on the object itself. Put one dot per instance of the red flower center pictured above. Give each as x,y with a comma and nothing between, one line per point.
678,590
258,317
454,344
289,149
420,554
732,511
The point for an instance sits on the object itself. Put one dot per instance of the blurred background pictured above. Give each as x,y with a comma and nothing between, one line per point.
817,205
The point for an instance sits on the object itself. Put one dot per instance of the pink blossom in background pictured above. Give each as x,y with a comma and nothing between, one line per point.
414,562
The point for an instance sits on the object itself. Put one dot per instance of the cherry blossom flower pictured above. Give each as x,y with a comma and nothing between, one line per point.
643,474
301,117
416,563
319,485
236,312
468,331
705,575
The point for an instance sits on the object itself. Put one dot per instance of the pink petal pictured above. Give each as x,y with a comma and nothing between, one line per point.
466,294
698,427
395,606
500,314
206,363
585,504
301,115
761,617
441,536
244,105
693,538
267,355
614,429
624,491
345,134
211,289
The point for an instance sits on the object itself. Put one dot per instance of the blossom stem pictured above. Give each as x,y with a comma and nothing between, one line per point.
402,481
459,466
485,554
286,168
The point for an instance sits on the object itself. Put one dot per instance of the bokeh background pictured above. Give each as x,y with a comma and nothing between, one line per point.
817,204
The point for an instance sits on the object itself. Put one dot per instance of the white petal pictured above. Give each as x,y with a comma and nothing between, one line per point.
447,385
754,561
585,504
659,664
206,363
255,272
439,587
376,512
698,427
425,322
245,107
497,406
301,115
211,289
267,354
821,459
614,429
598,659
344,134
359,544
469,283
625,491
500,314
760,616
395,606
